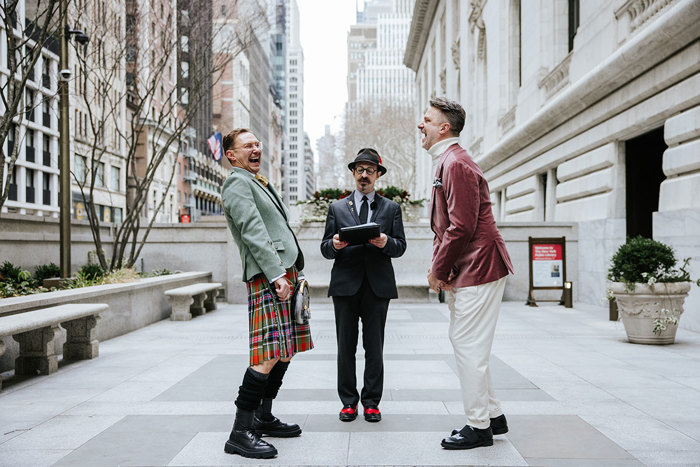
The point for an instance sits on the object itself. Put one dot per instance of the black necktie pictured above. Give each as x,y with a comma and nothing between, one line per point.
364,210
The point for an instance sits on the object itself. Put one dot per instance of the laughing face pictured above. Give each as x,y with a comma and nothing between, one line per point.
246,153
434,127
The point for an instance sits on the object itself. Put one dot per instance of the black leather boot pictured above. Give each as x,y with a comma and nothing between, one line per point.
267,424
245,441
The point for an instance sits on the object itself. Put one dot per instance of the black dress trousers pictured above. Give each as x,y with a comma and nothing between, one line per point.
371,310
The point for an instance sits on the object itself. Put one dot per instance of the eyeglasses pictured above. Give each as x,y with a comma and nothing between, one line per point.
251,146
367,170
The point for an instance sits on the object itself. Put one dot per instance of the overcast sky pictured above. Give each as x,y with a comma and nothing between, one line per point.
324,28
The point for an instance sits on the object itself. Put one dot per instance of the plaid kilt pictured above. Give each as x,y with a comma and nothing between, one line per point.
273,332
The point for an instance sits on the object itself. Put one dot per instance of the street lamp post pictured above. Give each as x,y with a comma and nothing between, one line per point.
64,161
64,76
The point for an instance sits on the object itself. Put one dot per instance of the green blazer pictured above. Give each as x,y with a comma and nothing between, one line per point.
259,223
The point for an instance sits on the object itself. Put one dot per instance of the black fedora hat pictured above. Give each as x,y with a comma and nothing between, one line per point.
368,155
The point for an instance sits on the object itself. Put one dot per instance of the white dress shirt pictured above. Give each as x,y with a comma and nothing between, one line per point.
358,202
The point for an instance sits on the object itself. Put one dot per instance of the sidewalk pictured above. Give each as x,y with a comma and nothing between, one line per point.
574,391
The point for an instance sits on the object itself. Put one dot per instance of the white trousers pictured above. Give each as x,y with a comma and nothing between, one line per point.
473,316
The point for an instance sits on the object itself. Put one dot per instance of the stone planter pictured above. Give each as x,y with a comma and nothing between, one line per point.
411,212
647,309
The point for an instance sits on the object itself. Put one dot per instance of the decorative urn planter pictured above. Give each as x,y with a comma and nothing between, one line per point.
650,313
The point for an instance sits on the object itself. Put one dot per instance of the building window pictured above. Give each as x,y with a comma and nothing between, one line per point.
100,175
29,149
30,105
46,192
114,178
574,21
46,115
45,78
12,196
11,139
80,165
47,151
30,192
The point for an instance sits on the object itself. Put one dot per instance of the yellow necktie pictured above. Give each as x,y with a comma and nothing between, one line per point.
261,179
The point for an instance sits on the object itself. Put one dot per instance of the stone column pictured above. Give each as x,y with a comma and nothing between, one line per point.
37,354
210,301
80,340
197,307
181,308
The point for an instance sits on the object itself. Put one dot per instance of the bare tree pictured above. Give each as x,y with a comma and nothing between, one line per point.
25,41
389,127
139,100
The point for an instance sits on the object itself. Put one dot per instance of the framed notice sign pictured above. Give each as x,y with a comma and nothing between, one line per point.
547,261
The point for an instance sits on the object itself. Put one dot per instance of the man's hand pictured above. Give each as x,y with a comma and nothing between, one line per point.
380,241
436,284
337,243
284,291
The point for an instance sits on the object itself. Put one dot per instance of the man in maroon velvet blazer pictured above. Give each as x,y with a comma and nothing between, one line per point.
470,263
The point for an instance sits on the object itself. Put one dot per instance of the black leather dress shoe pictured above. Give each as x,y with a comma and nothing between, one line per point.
469,438
372,414
348,413
273,426
499,426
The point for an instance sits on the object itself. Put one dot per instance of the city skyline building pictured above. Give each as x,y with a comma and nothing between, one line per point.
309,169
381,94
376,46
151,35
295,179
199,176
328,161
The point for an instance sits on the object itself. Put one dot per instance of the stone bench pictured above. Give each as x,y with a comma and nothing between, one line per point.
36,330
192,300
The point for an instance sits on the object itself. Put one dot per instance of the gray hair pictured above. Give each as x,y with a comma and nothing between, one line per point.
453,112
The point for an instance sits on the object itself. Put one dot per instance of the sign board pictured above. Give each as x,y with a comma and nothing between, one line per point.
547,265
184,218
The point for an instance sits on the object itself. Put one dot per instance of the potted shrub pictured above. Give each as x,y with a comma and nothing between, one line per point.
649,290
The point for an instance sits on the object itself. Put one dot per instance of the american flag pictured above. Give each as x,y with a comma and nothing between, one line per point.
215,145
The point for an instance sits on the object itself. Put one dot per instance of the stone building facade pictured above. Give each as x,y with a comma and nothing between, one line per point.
34,179
583,112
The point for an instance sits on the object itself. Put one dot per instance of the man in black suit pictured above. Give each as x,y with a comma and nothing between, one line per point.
362,283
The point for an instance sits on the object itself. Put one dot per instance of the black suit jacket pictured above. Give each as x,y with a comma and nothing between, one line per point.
354,261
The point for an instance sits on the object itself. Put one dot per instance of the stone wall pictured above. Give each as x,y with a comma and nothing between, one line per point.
208,246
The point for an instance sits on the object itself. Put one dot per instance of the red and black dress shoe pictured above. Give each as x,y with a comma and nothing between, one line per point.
372,413
348,413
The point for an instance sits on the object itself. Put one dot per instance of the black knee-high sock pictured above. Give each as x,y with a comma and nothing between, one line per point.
251,390
275,379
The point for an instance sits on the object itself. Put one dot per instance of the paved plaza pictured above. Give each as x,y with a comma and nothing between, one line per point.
575,393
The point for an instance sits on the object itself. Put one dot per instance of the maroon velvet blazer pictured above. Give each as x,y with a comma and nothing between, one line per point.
468,249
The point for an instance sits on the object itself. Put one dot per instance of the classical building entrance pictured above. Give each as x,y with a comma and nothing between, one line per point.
643,175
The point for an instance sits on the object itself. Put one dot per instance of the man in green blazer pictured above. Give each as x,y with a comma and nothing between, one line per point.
272,263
